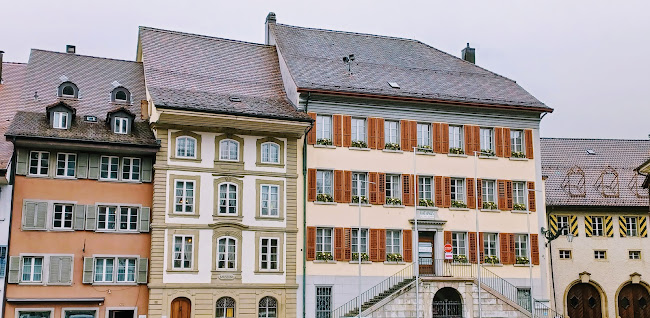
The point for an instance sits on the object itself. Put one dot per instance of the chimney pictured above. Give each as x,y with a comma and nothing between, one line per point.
270,19
70,49
469,54
1,53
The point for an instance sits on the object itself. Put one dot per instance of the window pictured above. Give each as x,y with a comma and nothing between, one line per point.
392,187
487,141
270,200
225,307
323,127
521,245
186,147
128,219
268,308
459,243
34,314
126,270
391,132
62,218
425,188
490,245
32,269
86,313
109,220
324,240
229,150
362,243
39,163
131,169
488,194
634,254
68,89
227,253
228,198
358,129
121,95
183,252
104,269
323,301
456,137
600,254
523,297
3,260
393,242
565,254
563,223
457,190
65,164
269,254
424,135
324,182
270,152
184,196
519,195
109,167
106,218
60,120
597,226
359,185
631,225
120,125
517,141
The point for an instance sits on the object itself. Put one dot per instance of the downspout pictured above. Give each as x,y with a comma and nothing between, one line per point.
304,214
11,182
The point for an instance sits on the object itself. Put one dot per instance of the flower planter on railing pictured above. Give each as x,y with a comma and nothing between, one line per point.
425,149
392,146
519,207
456,151
517,154
359,144
490,206
426,203
324,256
324,197
355,199
393,201
491,260
324,142
458,204
364,257
394,257
522,260
487,153
462,259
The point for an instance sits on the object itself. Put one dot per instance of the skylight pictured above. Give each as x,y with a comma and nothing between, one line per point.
394,85
591,152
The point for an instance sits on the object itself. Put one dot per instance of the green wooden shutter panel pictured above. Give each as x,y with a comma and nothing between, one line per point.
22,160
88,270
147,166
93,166
41,215
143,265
82,166
14,270
66,269
29,214
79,217
144,219
91,215
55,270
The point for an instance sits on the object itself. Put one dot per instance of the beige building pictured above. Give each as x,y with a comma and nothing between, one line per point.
224,217
594,193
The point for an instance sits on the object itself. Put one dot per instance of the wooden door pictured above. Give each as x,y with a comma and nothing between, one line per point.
425,253
181,308
634,302
583,301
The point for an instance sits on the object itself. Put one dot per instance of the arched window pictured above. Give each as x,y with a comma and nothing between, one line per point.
185,147
270,152
228,198
121,95
68,89
226,254
225,307
268,308
229,150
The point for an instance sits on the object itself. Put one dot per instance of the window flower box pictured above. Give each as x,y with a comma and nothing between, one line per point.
394,201
522,260
324,197
517,154
392,146
426,203
519,207
364,257
355,199
324,256
324,142
458,204
461,259
425,149
491,260
490,206
487,153
394,257
456,151
359,144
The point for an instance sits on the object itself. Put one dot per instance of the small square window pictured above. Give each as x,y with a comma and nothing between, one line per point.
600,254
565,254
634,254
131,169
39,163
109,167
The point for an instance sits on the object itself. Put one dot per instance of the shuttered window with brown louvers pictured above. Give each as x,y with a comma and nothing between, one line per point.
338,186
407,190
507,152
498,141
509,203
534,249
381,141
447,195
531,197
347,191
347,244
311,184
347,131
476,138
404,133
469,143
439,190
502,200
444,132
413,134
382,245
408,246
447,240
511,246
311,136
437,137
372,133
311,243
472,247
381,188
481,247
528,136
337,130
479,194
374,248
338,243
471,197
504,246
373,186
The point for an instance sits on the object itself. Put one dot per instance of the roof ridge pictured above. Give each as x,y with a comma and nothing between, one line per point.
90,56
593,139
204,36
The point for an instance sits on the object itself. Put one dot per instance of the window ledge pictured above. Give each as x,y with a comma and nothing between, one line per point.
490,210
324,203
268,273
521,265
32,229
461,264
38,176
456,155
394,206
227,218
269,164
183,271
110,284
394,263
362,204
425,153
179,215
198,160
32,283
488,157
362,262
392,151
520,211
268,218
492,265
458,209
316,261
429,208
359,149
518,159
325,146
65,178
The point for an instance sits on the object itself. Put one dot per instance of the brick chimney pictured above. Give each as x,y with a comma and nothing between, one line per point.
270,19
469,54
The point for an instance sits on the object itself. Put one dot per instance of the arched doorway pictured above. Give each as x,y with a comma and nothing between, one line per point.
634,302
583,301
447,303
181,308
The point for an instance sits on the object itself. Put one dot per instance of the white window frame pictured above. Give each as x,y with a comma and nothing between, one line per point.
565,254
322,234
41,170
32,269
65,310
521,245
459,243
60,120
563,220
600,254
516,141
364,241
226,151
120,125
358,127
391,247
183,251
598,226
184,197
226,253
324,176
130,212
228,201
105,211
268,149
456,137
631,226
323,127
129,168
490,241
425,191
487,138
63,215
360,184
183,152
391,132
69,159
393,186
135,261
104,272
488,191
110,167
634,254
424,135
458,190
271,205
266,257
519,191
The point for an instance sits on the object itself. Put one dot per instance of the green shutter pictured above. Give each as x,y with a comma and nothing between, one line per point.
147,167
145,218
143,265
41,215
91,215
93,166
79,217
14,270
55,270
22,161
66,269
82,166
88,270
29,215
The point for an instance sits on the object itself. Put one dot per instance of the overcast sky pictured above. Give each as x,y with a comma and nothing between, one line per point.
587,59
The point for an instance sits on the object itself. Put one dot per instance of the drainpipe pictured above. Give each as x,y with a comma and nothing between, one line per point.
304,214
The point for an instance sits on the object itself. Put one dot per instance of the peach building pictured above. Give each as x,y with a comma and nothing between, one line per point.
79,243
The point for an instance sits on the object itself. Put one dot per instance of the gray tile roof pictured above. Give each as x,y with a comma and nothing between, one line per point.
195,72
314,58
13,75
560,155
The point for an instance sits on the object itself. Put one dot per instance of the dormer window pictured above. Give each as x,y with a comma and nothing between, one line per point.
121,95
120,126
69,90
120,121
60,120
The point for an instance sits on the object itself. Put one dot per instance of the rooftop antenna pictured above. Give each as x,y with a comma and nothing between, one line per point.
348,60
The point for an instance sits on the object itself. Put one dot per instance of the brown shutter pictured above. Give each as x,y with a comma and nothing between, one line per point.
504,246
413,133
507,152
338,243
534,249
407,190
338,186
372,187
372,133
439,191
472,247
528,134
511,245
447,195
347,131
374,248
447,240
381,142
311,243
498,141
347,190
444,133
471,196
347,244
479,194
509,203
408,249
381,245
311,136
405,140
481,247
477,139
437,138
381,188
468,134
311,184
502,201
531,197
337,131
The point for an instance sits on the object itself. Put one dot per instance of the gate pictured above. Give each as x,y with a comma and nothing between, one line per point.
447,309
